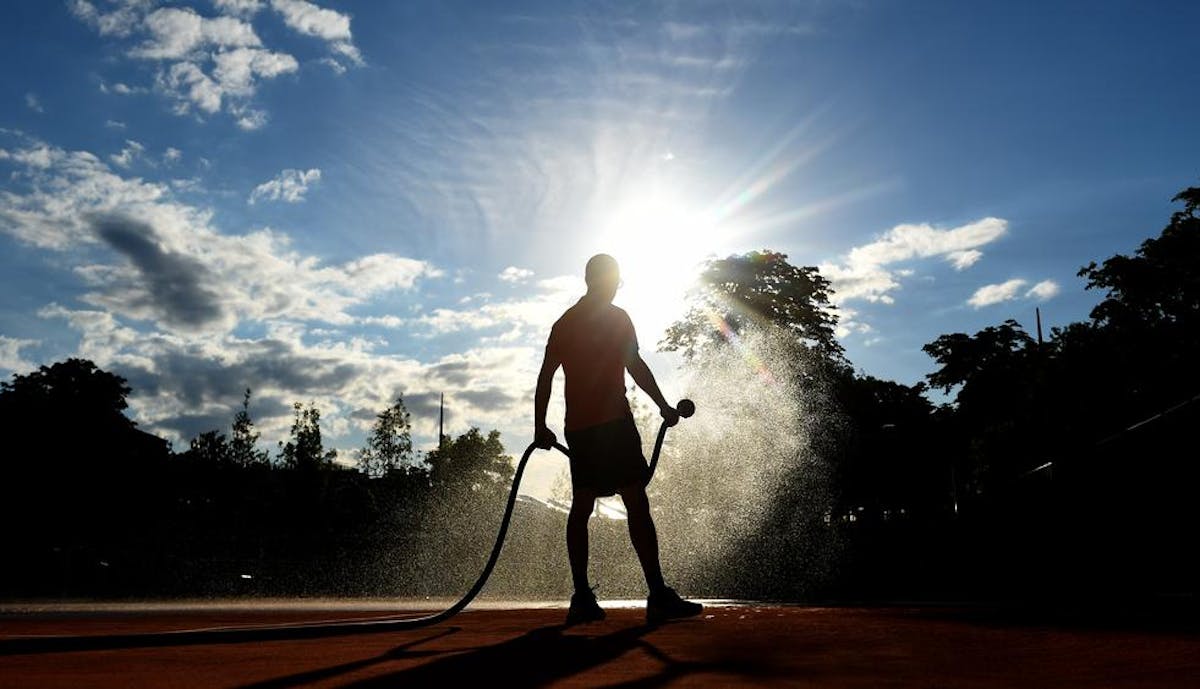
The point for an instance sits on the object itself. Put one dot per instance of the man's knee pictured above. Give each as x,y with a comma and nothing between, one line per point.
581,509
635,499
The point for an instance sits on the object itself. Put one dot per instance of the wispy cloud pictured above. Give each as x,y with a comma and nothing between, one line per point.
34,103
865,272
1044,290
242,8
288,186
1010,290
131,152
329,25
10,354
515,275
994,294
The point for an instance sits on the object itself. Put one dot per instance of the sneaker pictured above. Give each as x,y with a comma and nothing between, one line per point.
667,605
584,608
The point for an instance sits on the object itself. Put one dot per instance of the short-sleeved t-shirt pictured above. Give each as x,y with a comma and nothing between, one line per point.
593,341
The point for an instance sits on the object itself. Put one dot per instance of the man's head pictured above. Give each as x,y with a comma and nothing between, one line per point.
602,276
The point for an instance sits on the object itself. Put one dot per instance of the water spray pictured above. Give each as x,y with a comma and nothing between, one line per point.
307,630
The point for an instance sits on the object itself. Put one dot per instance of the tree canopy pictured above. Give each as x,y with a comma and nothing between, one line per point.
757,289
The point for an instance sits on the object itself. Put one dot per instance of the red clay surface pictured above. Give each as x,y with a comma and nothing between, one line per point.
728,646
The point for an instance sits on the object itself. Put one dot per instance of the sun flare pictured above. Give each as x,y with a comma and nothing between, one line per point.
660,243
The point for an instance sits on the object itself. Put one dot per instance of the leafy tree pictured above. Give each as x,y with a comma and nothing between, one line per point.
74,391
1000,378
389,447
760,289
304,450
471,462
1147,327
986,359
211,447
243,442
1160,283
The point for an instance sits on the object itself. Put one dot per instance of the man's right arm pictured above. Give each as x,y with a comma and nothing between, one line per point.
542,435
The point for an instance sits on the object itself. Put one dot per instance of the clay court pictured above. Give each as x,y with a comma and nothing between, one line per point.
731,644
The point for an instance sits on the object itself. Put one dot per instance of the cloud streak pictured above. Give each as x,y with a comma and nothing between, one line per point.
288,186
1009,290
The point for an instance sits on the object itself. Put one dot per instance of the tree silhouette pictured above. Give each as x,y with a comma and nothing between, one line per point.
74,391
389,447
1160,284
471,463
243,441
757,289
981,362
304,450
210,447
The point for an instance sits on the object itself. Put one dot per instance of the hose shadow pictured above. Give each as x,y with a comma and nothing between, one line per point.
403,651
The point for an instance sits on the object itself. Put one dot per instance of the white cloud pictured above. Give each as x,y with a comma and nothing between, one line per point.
510,320
172,155
181,33
515,275
289,186
132,151
34,103
311,20
10,354
1046,289
961,260
183,385
237,70
864,273
331,26
249,120
241,8
121,89
189,85
214,64
119,22
147,256
994,294
114,124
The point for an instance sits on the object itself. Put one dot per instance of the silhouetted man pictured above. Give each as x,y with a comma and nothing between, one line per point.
595,344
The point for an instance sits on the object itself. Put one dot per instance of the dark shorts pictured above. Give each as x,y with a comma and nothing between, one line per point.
607,457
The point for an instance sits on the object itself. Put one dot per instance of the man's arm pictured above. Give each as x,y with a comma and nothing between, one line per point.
645,380
542,435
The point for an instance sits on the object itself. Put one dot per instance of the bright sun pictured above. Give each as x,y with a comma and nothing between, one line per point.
659,243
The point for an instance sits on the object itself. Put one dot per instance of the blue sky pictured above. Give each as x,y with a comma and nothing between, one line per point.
344,202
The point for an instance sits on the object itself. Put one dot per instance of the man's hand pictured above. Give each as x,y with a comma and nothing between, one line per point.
670,416
544,438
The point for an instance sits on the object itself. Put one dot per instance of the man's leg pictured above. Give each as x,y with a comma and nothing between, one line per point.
643,534
584,607
582,504
663,603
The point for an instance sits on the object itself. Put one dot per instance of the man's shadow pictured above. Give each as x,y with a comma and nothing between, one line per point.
544,655
535,658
